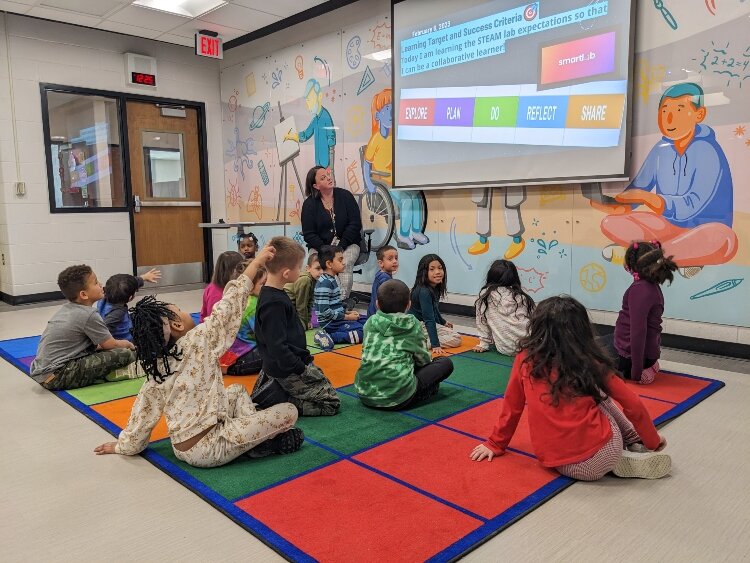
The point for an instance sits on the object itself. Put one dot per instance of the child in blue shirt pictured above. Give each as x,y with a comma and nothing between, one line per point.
388,265
118,292
337,326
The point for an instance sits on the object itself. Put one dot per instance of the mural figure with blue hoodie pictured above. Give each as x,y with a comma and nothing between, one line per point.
686,182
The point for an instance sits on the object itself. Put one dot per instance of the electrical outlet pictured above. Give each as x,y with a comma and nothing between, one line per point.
3,255
20,188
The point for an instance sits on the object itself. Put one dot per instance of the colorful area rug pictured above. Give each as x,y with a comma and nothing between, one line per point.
370,485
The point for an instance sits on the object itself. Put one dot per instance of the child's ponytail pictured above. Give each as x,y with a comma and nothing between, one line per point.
647,260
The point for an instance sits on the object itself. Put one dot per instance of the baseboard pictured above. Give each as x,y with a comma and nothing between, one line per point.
33,298
688,343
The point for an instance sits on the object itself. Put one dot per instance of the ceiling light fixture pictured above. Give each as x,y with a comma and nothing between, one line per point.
183,8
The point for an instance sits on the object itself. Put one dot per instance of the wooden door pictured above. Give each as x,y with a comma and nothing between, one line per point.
165,176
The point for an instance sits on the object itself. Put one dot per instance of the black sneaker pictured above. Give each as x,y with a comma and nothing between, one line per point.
285,443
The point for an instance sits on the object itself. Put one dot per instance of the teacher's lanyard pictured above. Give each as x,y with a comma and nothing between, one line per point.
333,219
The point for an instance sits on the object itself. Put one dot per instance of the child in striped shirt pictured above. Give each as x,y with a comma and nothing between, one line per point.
337,326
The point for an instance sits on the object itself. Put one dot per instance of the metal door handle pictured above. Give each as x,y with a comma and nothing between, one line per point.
136,204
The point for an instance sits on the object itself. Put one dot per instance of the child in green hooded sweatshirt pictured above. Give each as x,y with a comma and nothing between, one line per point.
396,371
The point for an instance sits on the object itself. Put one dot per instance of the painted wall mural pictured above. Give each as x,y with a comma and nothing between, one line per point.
689,172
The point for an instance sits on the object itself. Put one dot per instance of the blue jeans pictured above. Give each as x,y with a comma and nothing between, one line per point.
410,211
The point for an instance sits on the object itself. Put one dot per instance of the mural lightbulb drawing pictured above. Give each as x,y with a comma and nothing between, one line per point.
298,67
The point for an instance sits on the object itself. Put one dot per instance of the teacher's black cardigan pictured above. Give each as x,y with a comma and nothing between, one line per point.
317,227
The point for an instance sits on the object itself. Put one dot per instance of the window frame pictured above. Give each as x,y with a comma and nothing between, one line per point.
120,98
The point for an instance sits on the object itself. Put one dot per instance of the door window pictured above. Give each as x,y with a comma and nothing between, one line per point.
164,165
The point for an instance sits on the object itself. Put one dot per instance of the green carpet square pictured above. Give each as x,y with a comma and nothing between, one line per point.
356,426
449,399
483,376
311,343
103,392
491,356
244,475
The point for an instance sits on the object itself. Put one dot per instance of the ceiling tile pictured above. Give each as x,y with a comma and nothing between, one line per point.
189,29
177,39
64,16
98,8
129,29
240,18
150,19
281,8
14,7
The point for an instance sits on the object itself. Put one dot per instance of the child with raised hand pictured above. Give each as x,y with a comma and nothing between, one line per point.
396,370
568,383
430,286
338,325
288,373
502,309
208,424
247,245
243,357
387,266
301,291
120,290
225,266
637,337
76,349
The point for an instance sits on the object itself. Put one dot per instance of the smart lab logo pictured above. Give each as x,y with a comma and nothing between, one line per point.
531,12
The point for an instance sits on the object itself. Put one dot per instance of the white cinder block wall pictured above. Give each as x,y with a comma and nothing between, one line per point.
35,245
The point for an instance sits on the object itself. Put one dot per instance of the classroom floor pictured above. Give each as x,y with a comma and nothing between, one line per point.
60,502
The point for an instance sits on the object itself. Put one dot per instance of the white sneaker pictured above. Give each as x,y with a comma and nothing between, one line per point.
130,371
690,271
650,465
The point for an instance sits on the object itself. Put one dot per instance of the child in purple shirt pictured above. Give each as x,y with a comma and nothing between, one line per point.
637,336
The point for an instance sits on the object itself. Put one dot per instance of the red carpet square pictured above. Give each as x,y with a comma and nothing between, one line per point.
344,512
438,462
480,421
670,387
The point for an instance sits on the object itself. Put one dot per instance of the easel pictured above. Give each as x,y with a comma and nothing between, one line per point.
284,174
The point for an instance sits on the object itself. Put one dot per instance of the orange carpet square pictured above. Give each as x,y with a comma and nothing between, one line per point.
118,412
338,369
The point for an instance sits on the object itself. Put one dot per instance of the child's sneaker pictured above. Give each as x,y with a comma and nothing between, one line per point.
323,340
285,443
130,371
649,374
638,448
651,465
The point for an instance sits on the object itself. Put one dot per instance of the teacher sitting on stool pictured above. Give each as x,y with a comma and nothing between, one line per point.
331,216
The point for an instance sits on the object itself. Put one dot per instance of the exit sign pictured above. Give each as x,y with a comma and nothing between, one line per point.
208,46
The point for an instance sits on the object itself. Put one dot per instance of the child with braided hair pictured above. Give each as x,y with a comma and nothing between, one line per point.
208,424
637,338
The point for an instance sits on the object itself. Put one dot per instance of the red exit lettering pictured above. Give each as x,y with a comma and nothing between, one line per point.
207,46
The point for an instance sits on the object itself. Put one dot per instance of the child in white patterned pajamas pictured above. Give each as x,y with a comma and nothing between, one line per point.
503,309
208,424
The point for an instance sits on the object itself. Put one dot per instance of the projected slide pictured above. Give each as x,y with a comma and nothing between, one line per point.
514,91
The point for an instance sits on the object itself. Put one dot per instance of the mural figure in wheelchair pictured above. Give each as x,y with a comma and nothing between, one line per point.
377,159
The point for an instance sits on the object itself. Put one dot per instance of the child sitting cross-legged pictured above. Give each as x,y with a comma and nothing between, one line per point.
301,291
208,424
288,373
337,325
568,384
76,348
396,371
